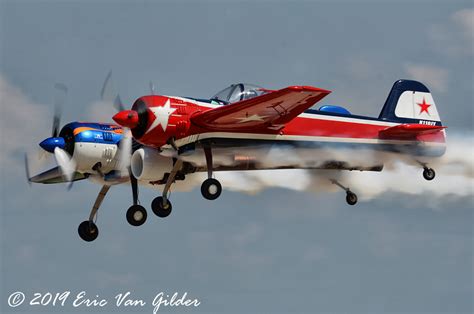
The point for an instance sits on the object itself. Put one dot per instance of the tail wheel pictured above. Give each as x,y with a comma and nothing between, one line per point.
88,231
429,174
160,208
351,198
211,189
136,215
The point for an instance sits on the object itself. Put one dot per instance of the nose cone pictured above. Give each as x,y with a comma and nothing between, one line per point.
127,118
51,143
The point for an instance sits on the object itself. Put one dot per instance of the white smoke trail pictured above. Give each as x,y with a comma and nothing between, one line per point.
402,174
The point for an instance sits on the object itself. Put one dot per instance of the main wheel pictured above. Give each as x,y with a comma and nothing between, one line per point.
136,215
211,189
160,209
351,198
429,174
88,231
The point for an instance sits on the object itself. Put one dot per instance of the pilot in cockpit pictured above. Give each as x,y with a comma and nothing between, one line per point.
237,92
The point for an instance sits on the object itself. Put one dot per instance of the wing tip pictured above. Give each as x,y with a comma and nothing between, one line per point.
304,88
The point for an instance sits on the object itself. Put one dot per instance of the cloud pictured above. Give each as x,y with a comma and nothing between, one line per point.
435,77
455,37
23,125
100,111
465,21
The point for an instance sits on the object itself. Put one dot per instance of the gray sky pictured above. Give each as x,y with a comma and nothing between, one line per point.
276,251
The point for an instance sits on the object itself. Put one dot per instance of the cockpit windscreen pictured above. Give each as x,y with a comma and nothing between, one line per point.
238,92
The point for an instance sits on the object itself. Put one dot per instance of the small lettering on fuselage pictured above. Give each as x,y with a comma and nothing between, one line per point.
427,122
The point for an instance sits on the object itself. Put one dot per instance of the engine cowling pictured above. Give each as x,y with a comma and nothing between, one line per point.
147,164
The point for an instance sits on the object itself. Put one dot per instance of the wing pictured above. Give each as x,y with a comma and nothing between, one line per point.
269,111
54,175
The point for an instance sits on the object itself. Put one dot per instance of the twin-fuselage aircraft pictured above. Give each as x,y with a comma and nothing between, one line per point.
162,139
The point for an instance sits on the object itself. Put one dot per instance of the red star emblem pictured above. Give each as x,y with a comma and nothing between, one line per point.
424,107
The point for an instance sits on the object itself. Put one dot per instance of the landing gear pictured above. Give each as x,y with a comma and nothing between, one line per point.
211,188
88,230
136,215
351,197
161,206
428,173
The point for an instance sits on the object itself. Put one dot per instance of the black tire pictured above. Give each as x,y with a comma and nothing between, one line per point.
429,174
211,189
351,198
88,231
159,209
136,215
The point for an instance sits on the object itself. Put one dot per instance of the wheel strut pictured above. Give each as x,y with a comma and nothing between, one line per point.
211,188
88,230
98,202
176,167
209,164
351,197
161,205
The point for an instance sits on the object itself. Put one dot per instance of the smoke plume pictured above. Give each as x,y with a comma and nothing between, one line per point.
401,173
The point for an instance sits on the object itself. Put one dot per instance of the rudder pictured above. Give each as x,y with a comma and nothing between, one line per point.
410,102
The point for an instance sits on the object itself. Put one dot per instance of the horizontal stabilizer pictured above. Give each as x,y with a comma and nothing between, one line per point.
409,131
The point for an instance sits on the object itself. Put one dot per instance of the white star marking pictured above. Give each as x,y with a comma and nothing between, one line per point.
162,115
254,117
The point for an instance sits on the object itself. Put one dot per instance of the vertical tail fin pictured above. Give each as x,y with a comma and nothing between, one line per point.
410,102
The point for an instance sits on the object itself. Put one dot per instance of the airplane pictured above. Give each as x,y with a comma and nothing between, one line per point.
99,152
173,137
245,118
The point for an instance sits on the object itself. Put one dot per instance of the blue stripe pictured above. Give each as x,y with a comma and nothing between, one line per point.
102,133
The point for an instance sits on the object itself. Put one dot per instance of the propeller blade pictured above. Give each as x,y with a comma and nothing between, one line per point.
108,93
69,186
42,154
118,105
66,163
106,84
125,152
36,160
27,169
152,88
59,100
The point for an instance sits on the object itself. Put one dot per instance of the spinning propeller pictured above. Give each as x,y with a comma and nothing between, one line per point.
74,163
61,144
127,144
62,141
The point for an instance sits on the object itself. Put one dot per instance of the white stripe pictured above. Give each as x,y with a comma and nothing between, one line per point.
346,119
277,137
304,115
195,102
